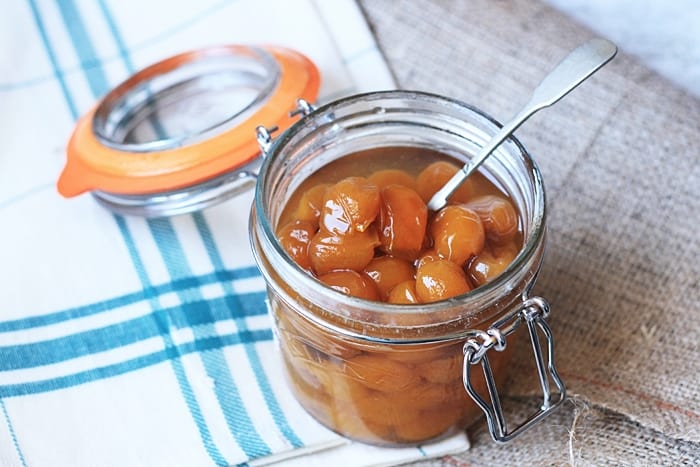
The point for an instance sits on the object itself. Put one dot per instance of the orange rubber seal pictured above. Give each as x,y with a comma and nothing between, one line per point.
93,165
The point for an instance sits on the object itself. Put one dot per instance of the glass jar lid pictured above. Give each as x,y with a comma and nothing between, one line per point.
179,135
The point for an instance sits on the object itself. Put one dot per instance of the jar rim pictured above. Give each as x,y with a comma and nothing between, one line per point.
528,251
251,72
176,125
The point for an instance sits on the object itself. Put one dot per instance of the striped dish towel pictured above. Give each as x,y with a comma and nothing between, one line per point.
133,342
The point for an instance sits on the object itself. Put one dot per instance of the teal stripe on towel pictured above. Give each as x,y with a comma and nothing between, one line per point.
263,382
146,293
235,412
11,429
198,314
170,353
99,86
233,408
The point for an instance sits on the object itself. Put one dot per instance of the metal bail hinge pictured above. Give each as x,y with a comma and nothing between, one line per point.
303,108
533,312
264,135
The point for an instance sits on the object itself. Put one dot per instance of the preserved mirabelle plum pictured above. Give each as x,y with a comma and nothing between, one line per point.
375,222
491,262
381,374
384,178
387,271
498,216
350,205
311,202
351,283
427,256
403,219
403,293
439,280
354,251
413,432
441,371
295,238
458,233
433,177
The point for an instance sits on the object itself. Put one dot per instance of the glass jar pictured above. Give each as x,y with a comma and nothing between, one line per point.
401,374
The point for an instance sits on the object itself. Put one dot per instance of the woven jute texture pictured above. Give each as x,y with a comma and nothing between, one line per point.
620,158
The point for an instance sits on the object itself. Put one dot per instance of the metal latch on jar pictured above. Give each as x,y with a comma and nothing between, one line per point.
264,135
533,312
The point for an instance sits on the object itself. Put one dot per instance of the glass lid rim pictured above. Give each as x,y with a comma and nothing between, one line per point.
111,102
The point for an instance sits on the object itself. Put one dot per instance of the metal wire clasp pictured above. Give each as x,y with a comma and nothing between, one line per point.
264,134
532,312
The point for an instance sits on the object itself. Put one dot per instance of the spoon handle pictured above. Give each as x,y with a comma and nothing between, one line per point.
581,63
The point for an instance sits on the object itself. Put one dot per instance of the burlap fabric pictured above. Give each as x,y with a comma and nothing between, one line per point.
621,163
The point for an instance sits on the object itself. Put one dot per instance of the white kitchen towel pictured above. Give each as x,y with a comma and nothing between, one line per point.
134,342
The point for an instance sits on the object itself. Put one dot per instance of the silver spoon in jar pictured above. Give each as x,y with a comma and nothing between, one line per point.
581,63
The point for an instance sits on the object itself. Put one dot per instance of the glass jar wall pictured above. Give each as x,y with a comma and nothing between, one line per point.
377,372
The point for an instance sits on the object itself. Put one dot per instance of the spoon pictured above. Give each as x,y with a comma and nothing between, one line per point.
576,67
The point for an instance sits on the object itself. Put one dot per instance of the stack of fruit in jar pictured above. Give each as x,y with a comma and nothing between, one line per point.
371,236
